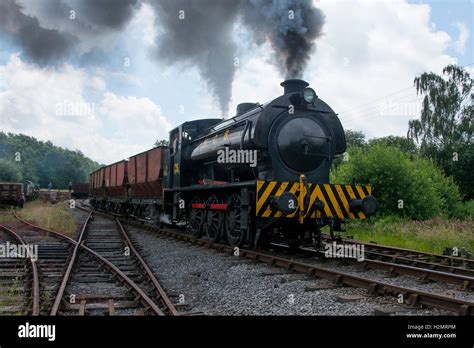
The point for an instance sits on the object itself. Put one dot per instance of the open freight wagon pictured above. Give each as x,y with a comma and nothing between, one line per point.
131,182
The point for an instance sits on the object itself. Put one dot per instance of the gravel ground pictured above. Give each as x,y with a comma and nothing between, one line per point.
213,283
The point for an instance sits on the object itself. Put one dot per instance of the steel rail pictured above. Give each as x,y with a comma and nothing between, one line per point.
35,289
466,282
72,260
444,258
427,274
423,264
145,298
171,310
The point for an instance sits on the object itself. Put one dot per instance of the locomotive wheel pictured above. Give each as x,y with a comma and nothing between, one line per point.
214,221
149,213
234,233
196,218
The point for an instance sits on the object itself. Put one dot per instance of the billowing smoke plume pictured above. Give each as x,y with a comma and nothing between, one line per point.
40,44
113,14
291,27
50,30
194,33
199,33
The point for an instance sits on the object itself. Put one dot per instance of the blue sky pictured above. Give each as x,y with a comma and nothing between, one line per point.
369,51
445,14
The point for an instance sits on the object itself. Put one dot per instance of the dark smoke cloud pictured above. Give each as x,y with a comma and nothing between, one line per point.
292,39
40,45
203,39
48,35
112,14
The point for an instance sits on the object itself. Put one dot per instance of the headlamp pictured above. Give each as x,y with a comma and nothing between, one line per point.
309,95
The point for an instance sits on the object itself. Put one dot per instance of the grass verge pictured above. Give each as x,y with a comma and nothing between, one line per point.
433,235
53,217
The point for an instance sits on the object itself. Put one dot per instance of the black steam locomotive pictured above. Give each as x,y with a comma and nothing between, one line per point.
260,176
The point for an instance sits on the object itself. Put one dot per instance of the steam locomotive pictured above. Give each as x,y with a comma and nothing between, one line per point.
258,177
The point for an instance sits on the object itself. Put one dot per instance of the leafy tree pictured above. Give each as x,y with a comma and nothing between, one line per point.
354,138
405,144
405,185
9,171
162,142
445,129
462,170
41,161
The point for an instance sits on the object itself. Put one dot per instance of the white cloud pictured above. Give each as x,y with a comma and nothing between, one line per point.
460,43
255,81
137,119
31,96
145,20
50,104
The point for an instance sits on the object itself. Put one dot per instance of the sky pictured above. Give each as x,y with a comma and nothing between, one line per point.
113,98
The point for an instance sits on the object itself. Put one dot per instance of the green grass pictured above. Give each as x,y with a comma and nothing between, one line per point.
434,235
53,217
5,217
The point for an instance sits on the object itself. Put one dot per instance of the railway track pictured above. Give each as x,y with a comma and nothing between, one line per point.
47,266
412,297
425,272
52,254
19,283
92,275
436,262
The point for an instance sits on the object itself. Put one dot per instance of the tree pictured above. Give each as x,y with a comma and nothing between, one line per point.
404,184
40,161
405,144
162,142
446,127
9,171
354,138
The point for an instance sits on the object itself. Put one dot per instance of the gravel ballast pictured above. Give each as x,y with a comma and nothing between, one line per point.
213,283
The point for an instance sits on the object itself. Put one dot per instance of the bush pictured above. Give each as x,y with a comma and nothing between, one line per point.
404,185
466,210
403,143
9,171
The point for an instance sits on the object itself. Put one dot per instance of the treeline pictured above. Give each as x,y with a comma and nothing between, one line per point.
430,171
25,158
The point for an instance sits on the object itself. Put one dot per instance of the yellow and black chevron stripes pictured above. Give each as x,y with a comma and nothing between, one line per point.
336,199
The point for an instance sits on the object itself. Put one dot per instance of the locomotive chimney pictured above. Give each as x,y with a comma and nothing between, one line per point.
294,85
